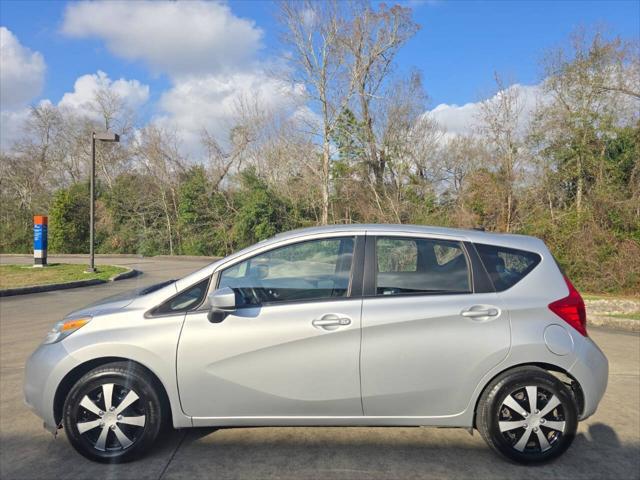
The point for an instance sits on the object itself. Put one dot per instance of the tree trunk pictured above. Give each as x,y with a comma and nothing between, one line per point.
579,185
377,164
326,158
174,202
168,217
509,208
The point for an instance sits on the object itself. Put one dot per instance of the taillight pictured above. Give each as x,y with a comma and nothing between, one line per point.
571,309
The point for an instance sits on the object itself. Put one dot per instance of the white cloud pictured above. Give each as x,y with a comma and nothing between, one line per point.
209,54
463,119
21,72
21,80
132,93
12,126
177,38
211,102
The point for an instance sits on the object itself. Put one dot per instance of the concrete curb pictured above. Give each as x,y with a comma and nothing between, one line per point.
623,324
128,273
131,272
186,257
76,255
115,255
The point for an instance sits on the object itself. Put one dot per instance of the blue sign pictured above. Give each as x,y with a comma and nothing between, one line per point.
40,223
39,237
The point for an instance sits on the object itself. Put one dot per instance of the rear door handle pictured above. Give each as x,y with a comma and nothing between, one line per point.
478,313
331,320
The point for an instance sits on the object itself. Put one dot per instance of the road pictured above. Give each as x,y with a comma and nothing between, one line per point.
607,445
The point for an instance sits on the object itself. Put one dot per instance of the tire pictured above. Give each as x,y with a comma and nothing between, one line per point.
116,431
506,423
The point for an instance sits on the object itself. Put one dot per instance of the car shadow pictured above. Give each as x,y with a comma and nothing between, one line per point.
355,452
320,453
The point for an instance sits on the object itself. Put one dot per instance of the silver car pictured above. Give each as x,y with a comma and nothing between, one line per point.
381,325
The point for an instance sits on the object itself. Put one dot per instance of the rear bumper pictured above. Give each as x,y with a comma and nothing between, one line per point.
591,370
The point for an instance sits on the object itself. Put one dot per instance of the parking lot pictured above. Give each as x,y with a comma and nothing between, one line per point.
607,445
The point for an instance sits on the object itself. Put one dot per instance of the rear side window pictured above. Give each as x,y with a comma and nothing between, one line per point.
416,265
506,266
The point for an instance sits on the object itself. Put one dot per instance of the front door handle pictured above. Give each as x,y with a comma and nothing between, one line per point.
476,312
330,321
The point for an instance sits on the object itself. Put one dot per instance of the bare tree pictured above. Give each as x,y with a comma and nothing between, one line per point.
458,160
312,30
219,159
592,88
249,128
157,153
373,40
501,125
115,115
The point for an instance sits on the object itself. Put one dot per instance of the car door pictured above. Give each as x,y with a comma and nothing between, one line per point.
427,338
292,347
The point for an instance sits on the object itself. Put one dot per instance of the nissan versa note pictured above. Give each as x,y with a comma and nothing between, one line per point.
381,325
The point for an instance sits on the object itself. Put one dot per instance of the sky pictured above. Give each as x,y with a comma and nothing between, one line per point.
182,64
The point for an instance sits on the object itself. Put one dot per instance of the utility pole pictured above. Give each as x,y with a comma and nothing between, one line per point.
103,137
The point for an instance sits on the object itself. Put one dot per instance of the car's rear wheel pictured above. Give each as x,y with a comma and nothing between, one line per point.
113,413
527,415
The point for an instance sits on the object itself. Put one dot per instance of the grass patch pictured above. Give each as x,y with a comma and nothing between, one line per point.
14,276
630,316
609,296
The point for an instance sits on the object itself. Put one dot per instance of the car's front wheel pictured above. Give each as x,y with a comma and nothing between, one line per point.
113,413
528,415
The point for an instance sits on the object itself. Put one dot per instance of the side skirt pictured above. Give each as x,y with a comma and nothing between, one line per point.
457,421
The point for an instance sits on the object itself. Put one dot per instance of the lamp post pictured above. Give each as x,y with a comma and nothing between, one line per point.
103,137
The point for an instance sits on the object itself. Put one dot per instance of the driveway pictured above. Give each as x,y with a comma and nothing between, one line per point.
607,445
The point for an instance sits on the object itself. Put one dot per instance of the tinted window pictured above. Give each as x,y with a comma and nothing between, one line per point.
506,266
303,271
414,265
186,300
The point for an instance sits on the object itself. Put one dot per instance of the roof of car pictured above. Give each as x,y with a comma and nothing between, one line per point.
472,235
377,227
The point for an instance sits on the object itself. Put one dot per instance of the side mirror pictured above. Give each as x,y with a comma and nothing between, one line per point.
221,302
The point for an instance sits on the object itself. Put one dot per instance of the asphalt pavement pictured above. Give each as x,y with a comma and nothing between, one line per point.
607,445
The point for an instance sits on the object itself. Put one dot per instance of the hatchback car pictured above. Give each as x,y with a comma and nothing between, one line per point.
367,325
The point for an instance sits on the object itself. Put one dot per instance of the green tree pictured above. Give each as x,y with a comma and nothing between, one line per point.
15,229
348,137
129,217
204,218
69,220
262,212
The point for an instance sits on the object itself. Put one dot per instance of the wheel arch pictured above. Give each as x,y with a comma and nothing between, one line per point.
70,379
563,375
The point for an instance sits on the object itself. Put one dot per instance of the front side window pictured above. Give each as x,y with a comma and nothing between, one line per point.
416,265
506,266
187,300
311,270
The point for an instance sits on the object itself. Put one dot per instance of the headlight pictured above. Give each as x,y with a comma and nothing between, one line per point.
65,328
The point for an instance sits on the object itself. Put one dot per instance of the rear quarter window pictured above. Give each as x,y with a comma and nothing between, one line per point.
506,266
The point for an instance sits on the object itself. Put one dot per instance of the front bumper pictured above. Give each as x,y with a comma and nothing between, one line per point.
43,373
591,370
